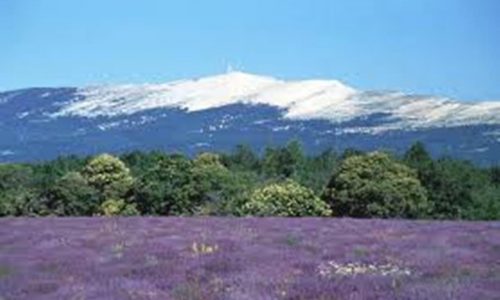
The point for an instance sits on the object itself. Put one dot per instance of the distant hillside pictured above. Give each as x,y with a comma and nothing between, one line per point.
218,112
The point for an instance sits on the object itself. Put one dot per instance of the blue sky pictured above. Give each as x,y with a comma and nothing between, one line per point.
445,47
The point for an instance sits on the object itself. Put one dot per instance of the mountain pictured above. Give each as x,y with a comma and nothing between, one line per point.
218,112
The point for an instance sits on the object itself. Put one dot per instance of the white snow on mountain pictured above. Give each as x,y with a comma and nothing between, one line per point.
6,152
307,99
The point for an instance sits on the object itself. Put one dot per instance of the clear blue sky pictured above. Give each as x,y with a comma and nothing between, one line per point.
445,47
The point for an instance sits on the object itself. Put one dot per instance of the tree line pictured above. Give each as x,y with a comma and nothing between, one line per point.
281,181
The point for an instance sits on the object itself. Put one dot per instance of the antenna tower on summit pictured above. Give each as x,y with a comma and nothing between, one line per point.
230,68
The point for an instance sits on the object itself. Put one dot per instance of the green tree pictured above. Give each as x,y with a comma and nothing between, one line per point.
243,158
417,154
17,190
71,196
283,162
287,198
140,162
316,170
294,148
348,152
418,158
209,177
222,190
495,175
451,185
485,204
46,174
375,185
233,192
15,176
109,176
168,188
19,203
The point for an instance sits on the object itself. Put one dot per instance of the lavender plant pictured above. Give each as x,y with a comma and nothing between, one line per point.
247,258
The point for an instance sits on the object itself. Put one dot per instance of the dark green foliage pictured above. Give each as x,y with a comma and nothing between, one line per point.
16,189
485,204
350,152
494,173
15,176
375,185
46,174
229,192
457,189
179,186
18,203
71,196
452,185
283,162
316,170
156,183
221,190
242,158
140,162
168,188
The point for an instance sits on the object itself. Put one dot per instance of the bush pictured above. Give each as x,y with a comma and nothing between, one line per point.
157,183
231,194
117,207
20,203
71,196
168,188
286,199
485,205
375,185
109,176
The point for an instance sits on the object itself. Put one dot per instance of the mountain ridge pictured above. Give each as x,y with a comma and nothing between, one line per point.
302,99
217,112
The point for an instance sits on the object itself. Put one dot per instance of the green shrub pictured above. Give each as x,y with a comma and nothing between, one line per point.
70,195
168,188
109,176
485,204
117,207
375,185
287,198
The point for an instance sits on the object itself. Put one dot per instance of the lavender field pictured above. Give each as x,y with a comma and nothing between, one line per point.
247,258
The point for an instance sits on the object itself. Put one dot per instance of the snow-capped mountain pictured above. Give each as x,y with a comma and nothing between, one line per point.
221,111
308,99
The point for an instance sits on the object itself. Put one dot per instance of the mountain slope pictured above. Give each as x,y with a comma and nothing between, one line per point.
220,111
